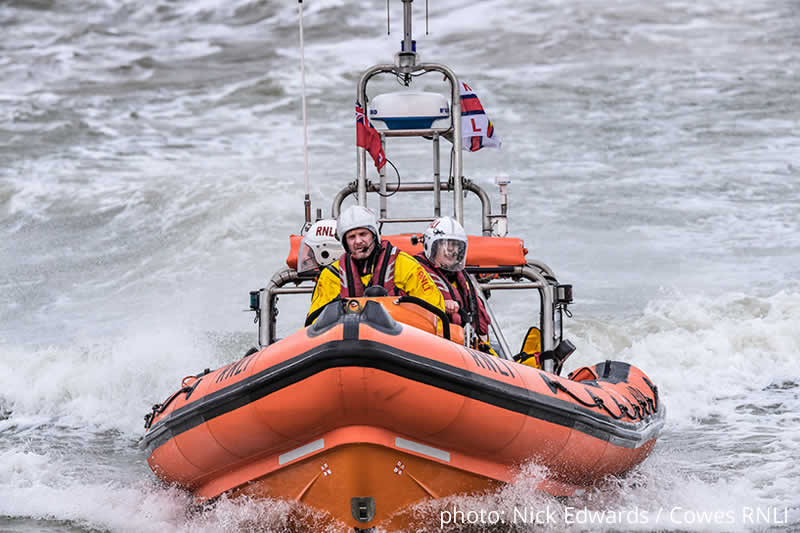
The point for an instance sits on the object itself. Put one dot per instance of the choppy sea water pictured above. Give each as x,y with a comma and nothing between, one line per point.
151,169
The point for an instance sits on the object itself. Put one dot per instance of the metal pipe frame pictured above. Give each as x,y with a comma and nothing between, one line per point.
415,133
470,186
544,267
351,188
266,301
546,321
546,292
415,186
495,326
382,174
361,153
407,40
513,286
406,220
267,318
486,205
437,186
293,290
455,127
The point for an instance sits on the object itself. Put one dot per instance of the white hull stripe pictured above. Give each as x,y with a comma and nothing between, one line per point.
422,449
297,453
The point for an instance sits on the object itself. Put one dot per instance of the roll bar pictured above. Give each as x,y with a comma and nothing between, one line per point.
468,185
455,118
537,275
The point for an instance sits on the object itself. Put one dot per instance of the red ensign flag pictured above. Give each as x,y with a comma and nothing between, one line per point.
368,138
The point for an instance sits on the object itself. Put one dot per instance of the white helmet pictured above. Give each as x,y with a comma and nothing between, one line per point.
319,247
445,244
357,216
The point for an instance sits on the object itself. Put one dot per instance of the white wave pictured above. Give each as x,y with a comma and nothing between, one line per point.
654,496
103,385
33,486
28,493
700,348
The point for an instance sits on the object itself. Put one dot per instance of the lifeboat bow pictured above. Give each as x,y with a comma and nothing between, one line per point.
365,416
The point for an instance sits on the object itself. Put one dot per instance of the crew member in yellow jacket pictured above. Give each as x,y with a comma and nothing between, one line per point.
369,261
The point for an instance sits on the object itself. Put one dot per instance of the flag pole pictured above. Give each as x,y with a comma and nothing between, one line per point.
307,200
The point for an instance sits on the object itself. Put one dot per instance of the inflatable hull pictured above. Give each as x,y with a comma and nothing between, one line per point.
361,417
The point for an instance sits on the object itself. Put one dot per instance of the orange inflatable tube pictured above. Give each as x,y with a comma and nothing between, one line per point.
481,251
362,416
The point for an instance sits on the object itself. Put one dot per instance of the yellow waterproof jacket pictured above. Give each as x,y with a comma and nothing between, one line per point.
409,276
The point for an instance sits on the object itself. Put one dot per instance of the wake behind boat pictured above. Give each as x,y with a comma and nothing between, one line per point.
379,402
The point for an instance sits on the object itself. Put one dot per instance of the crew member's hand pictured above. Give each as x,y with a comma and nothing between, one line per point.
451,306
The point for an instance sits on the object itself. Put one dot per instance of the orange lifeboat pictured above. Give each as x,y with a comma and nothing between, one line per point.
362,415
380,403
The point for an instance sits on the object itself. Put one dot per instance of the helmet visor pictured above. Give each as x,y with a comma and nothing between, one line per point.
449,254
315,255
306,259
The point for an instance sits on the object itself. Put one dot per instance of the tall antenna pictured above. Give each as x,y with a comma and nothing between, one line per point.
307,201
